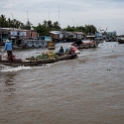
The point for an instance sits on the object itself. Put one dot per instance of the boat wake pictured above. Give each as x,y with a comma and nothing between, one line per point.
13,69
19,68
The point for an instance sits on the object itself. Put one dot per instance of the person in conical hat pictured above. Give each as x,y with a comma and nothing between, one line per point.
8,48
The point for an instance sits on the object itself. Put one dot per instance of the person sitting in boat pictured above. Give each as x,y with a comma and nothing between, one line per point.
61,51
15,59
73,50
66,50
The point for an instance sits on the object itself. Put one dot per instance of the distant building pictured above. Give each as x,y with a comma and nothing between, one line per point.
66,36
111,36
56,35
69,36
80,35
16,34
31,34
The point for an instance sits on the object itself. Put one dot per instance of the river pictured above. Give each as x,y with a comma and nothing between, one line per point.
86,90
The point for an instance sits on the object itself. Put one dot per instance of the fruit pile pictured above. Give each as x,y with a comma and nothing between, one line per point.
44,55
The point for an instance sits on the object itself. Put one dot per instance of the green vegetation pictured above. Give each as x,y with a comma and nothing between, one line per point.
85,29
44,56
8,23
45,27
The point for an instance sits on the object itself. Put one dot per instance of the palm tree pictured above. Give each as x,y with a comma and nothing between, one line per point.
9,22
21,25
3,19
56,25
45,23
49,24
18,24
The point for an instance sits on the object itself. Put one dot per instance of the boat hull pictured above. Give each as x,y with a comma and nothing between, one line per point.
86,44
39,62
121,41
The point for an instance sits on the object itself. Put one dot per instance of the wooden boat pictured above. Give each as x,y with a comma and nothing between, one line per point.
86,44
121,40
27,63
37,62
66,57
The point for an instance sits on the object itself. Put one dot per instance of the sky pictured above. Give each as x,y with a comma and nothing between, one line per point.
103,14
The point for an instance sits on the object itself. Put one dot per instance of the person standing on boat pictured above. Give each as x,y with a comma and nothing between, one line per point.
8,48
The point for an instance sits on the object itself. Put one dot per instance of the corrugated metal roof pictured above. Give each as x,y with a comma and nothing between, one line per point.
11,29
79,33
90,35
55,32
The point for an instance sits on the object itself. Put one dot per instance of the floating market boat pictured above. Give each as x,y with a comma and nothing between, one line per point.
85,44
66,57
120,40
37,62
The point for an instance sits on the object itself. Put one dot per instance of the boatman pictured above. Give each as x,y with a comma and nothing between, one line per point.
8,48
73,49
61,50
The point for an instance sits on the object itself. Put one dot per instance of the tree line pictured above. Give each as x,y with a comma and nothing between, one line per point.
14,23
45,27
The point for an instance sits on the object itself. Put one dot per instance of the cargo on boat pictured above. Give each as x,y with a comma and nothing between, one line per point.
37,62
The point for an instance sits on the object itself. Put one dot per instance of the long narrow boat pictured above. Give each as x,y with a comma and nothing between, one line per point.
121,40
66,57
86,44
38,62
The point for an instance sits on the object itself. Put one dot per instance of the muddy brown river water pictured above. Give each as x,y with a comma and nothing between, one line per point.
86,90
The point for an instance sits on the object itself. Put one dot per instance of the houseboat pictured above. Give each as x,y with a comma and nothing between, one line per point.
41,41
16,35
24,38
57,36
